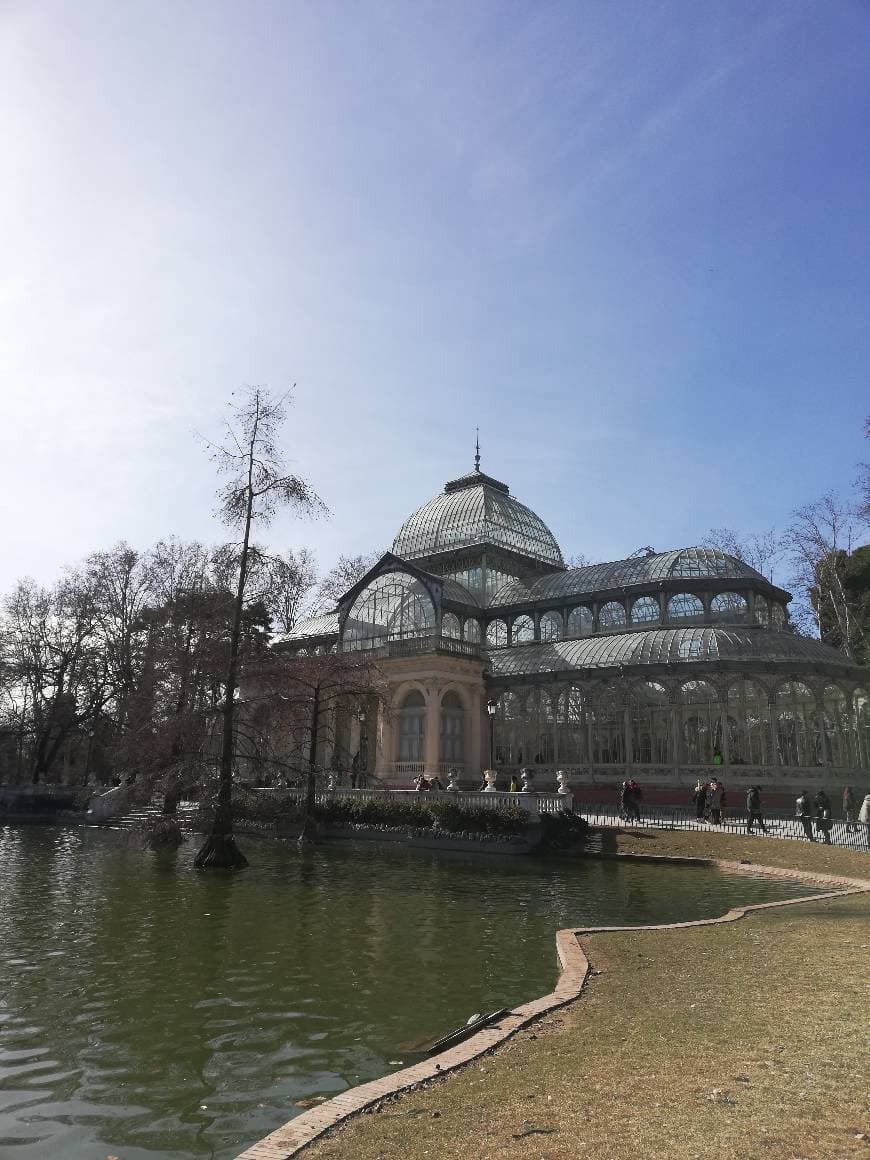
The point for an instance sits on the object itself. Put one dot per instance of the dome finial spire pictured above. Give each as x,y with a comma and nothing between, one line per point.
477,449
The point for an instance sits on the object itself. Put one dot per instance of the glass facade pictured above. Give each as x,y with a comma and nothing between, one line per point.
394,606
663,658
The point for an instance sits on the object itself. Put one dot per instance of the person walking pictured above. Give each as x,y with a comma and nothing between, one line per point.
822,804
864,816
699,797
636,795
753,810
625,800
803,810
849,809
715,793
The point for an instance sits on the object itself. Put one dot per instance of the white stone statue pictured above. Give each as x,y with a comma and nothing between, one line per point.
490,775
562,785
331,781
452,784
527,780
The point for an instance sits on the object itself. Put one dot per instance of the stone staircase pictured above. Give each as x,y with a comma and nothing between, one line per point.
138,816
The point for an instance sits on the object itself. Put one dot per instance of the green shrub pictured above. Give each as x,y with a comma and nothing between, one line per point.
445,816
563,830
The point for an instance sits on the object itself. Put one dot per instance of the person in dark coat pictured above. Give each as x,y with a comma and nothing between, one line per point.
699,797
803,810
822,805
753,810
715,795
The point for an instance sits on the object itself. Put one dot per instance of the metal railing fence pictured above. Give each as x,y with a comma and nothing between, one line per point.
853,835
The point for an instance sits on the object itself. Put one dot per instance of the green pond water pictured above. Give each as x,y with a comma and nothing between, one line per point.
147,1010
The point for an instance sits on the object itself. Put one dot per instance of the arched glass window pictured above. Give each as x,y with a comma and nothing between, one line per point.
523,630
573,734
450,625
452,727
539,738
551,626
511,744
608,727
651,724
729,607
645,611
702,722
496,634
394,606
685,606
412,727
749,743
838,726
472,630
797,733
762,613
580,621
611,615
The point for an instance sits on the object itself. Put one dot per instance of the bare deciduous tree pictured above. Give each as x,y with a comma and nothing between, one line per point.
817,542
760,550
257,487
346,571
307,703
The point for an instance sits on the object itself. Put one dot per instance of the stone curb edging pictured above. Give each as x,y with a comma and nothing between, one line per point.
291,1138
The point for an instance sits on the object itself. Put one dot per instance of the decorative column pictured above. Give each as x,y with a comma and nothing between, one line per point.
472,753
379,736
331,723
432,735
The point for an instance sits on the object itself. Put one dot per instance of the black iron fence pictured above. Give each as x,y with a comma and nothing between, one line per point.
836,831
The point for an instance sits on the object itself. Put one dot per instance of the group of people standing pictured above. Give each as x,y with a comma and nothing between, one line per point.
814,813
423,784
709,801
629,800
817,812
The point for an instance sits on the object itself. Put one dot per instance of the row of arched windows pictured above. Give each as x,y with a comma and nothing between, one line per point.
683,608
746,725
412,728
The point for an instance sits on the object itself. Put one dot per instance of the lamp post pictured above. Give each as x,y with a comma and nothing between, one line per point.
491,708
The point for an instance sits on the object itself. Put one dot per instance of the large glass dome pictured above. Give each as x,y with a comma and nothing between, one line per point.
476,509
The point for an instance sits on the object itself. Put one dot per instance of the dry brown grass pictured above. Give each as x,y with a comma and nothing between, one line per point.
734,1042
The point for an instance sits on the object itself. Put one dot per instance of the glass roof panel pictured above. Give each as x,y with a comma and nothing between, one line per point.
662,646
706,562
326,625
476,511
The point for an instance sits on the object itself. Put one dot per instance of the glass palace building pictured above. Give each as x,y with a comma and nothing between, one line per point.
644,667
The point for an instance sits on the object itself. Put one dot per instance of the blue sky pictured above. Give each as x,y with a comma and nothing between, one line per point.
629,240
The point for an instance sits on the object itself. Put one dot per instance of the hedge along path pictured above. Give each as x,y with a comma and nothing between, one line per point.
294,1136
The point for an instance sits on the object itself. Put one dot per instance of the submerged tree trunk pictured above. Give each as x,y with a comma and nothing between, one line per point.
309,825
220,851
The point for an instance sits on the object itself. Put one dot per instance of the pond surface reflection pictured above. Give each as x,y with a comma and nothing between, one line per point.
150,1011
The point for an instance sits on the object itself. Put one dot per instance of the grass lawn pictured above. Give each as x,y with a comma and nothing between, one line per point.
734,1042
